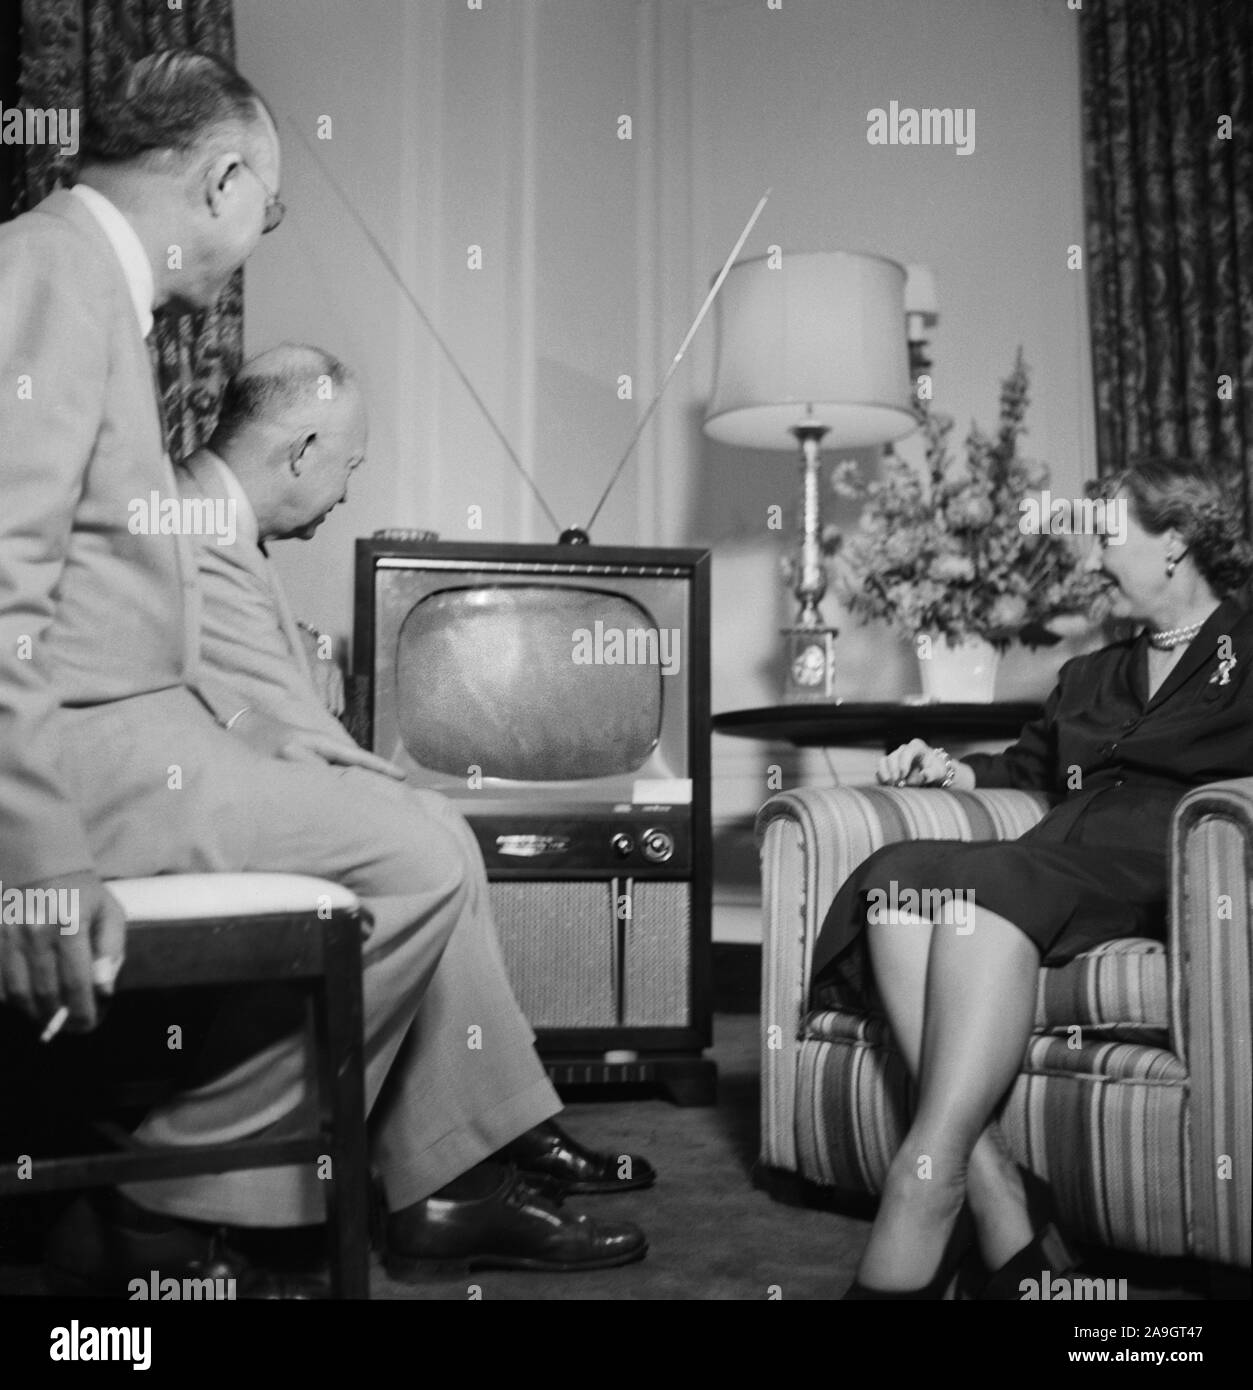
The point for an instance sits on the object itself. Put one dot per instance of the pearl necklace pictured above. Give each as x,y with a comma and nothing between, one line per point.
1169,638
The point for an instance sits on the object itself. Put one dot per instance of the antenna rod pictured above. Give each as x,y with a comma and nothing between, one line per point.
678,356
422,314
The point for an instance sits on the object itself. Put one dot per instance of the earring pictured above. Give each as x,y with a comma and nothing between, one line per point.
1170,567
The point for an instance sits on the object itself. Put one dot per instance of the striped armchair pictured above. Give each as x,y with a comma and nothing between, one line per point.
1134,1097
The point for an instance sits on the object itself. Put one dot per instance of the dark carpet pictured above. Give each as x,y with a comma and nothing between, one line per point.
712,1234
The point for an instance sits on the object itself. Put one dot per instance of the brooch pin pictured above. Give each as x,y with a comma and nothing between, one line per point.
1223,675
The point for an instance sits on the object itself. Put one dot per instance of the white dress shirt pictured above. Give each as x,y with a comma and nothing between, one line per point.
129,250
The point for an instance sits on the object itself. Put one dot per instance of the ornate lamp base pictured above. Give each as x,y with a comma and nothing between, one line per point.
810,653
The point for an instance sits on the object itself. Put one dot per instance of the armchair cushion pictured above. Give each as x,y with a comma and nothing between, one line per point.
1102,1062
1047,1054
1117,991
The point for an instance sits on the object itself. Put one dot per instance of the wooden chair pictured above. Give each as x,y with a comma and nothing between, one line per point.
237,930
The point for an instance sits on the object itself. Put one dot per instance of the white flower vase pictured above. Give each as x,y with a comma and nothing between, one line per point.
957,673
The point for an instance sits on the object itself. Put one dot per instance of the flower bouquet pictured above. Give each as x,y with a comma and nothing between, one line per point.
945,553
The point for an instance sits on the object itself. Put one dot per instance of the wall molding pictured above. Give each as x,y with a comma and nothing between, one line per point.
664,458
518,325
417,490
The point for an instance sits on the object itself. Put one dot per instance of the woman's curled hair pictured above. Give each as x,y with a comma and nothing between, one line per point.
1192,498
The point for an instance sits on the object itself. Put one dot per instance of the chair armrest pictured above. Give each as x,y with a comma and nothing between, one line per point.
1211,981
810,840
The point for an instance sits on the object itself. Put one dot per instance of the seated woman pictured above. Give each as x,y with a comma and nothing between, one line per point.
1127,731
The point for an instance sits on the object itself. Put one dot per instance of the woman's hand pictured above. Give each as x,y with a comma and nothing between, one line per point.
917,764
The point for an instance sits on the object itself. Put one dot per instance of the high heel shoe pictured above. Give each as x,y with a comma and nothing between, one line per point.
957,1251
1045,1251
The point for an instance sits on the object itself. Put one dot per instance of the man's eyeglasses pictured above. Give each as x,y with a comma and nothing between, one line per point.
275,208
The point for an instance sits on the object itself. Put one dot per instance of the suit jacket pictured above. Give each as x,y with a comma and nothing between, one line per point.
90,612
1117,761
1114,762
250,644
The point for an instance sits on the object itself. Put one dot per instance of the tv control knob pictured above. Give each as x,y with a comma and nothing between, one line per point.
623,845
658,845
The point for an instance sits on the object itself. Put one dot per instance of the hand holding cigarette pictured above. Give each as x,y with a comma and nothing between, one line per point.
56,965
104,971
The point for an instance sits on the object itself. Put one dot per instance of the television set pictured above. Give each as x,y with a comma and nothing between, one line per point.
559,695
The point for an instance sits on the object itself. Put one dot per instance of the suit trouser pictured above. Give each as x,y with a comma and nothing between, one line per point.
164,789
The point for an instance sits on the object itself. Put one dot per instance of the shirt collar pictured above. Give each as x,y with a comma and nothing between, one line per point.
129,250
247,528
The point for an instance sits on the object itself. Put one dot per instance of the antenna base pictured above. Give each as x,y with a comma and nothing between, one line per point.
574,535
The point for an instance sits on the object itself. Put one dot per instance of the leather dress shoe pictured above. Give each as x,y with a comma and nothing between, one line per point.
91,1251
514,1227
551,1158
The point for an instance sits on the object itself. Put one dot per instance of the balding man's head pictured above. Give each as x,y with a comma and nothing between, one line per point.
284,379
292,427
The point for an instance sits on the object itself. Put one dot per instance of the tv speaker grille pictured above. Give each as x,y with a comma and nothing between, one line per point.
657,970
559,944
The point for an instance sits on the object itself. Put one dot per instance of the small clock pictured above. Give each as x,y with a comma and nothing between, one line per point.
810,665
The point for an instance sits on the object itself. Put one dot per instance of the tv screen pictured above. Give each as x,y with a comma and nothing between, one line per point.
531,682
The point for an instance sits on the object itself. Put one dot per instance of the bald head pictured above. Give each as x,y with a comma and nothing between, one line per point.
292,428
290,378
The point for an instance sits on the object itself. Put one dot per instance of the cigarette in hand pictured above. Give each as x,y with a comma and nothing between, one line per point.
103,974
55,1024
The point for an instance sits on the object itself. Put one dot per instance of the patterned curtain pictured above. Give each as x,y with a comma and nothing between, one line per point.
12,162
70,50
1168,149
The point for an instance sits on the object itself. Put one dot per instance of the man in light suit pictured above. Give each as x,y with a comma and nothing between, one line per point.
120,755
291,431
290,434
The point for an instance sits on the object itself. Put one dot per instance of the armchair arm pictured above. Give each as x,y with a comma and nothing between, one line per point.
1210,950
810,840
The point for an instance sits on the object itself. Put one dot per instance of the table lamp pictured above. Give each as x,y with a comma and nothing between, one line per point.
921,314
811,348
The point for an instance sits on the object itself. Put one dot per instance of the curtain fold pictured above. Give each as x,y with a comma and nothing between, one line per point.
70,51
1168,154
12,161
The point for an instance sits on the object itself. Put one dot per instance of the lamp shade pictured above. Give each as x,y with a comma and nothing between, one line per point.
819,340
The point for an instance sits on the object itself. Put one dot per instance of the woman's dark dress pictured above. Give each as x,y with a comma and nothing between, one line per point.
1096,867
